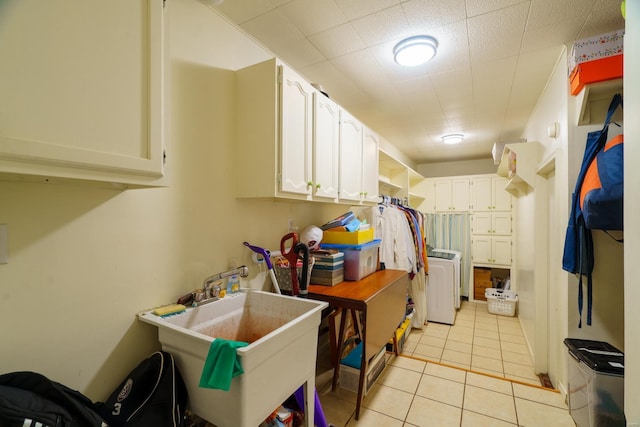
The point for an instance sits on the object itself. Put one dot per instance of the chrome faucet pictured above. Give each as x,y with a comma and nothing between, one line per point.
243,271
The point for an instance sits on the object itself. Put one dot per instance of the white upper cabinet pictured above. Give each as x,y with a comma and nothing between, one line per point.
488,194
326,147
82,87
351,137
296,112
370,165
452,195
293,142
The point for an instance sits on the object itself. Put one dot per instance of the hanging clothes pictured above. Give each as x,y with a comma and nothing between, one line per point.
397,250
401,231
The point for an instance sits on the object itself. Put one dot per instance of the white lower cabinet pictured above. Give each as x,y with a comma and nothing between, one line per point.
491,250
491,223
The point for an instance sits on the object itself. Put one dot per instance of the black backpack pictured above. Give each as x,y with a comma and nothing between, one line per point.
152,395
31,399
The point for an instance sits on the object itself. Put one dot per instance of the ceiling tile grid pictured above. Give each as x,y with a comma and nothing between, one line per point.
493,61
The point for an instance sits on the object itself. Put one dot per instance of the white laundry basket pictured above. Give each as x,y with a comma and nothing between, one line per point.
500,301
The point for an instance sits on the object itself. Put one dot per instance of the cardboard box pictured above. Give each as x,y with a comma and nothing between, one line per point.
594,48
348,237
595,71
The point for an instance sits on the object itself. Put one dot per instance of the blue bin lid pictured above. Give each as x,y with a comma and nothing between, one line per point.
599,356
354,357
350,247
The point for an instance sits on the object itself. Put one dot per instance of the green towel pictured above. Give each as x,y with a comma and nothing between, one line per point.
221,364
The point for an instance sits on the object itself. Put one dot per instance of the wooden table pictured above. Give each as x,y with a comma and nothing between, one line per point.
381,299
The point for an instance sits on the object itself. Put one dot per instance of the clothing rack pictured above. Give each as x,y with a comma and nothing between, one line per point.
388,200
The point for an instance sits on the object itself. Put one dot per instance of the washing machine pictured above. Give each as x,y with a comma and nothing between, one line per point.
443,285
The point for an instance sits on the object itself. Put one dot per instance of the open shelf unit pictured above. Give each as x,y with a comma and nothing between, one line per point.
593,102
519,163
398,180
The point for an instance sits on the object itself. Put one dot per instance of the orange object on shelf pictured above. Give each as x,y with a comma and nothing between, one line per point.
595,71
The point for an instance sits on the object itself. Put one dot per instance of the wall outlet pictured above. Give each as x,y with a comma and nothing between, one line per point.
4,244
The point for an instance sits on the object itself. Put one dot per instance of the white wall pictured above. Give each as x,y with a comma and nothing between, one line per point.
463,167
555,105
84,260
631,208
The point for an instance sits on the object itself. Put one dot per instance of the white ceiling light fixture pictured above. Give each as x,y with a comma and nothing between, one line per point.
452,138
415,50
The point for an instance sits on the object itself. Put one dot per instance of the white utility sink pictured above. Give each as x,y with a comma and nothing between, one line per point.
282,333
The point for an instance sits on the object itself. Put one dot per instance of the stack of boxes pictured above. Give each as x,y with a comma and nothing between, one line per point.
596,59
328,268
354,240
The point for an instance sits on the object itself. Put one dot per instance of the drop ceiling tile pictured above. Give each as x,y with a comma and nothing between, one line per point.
388,24
240,11
552,35
272,27
495,27
430,14
494,74
553,12
605,16
495,50
480,7
313,16
356,63
299,51
534,69
355,9
337,41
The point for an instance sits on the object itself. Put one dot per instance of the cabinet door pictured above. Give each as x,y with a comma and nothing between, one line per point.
482,223
443,195
370,145
296,130
326,147
501,223
82,87
481,200
501,197
350,157
429,205
481,249
501,250
460,195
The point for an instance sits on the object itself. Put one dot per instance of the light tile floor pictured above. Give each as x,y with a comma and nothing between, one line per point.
473,374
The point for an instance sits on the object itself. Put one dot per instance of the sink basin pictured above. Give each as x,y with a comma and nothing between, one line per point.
282,333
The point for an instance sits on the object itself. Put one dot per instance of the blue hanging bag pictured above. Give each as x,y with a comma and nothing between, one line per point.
578,246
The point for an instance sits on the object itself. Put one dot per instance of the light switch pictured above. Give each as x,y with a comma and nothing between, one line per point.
4,244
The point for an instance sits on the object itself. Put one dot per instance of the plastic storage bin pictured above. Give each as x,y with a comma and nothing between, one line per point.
500,301
350,369
359,260
596,383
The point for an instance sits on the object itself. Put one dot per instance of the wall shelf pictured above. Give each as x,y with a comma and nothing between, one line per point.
593,102
521,171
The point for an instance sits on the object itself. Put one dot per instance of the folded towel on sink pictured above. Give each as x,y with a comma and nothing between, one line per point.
221,365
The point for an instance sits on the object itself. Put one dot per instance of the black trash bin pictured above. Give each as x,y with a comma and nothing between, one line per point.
596,383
